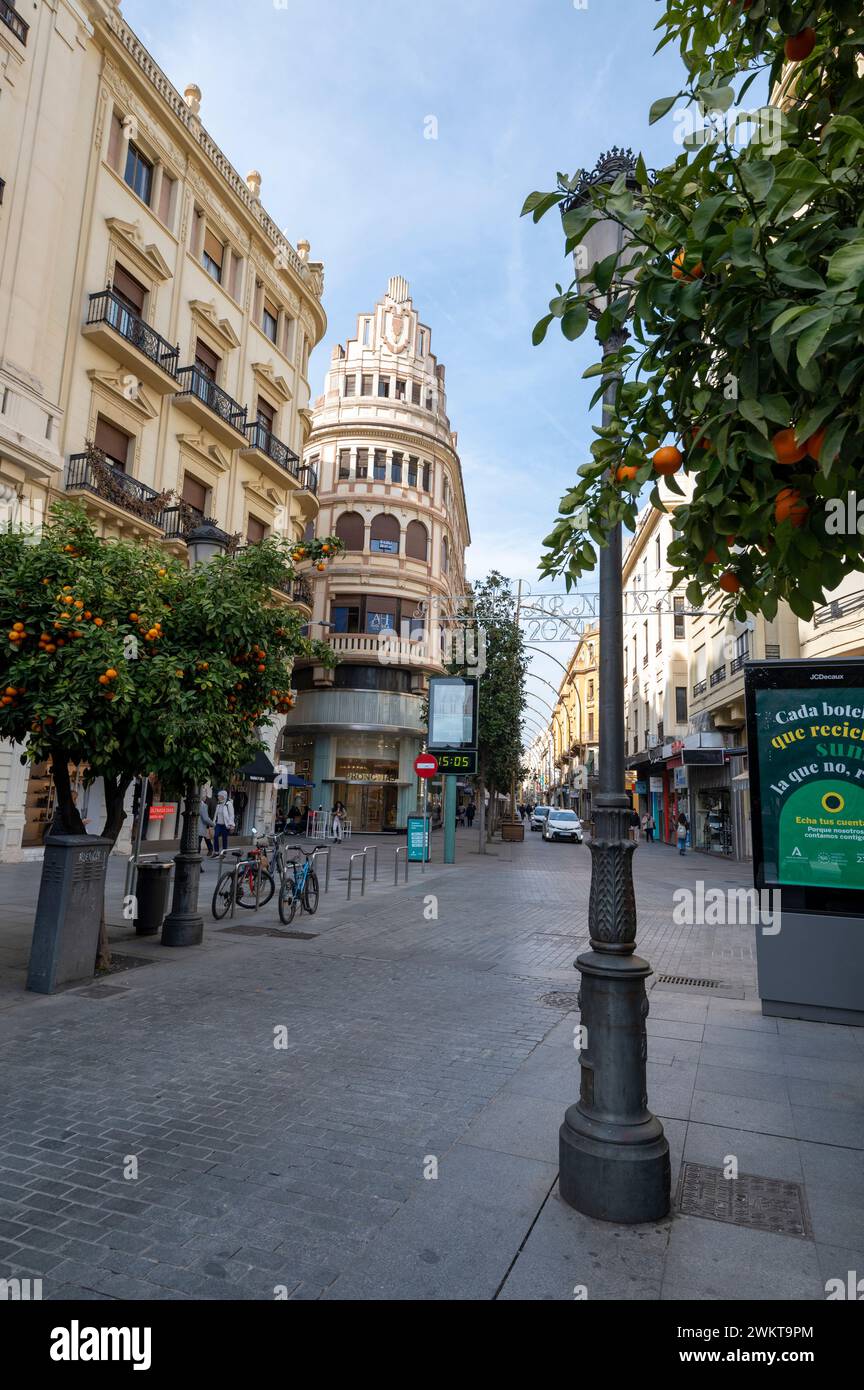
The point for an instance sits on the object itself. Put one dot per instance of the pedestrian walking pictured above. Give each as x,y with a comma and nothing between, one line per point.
469,814
650,827
634,825
645,825
205,828
337,819
223,821
682,827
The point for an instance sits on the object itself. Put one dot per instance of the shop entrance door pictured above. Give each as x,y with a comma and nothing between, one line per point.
371,806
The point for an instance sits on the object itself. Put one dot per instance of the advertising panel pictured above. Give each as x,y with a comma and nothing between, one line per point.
805,725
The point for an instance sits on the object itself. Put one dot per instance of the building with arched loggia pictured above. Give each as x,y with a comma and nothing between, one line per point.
390,486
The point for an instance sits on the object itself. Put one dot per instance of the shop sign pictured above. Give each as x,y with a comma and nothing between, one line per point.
656,784
641,789
680,778
805,726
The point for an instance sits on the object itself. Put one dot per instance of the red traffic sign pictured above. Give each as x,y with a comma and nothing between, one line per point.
425,765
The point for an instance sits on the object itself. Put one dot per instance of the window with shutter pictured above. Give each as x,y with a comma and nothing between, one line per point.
255,530
166,199
350,530
362,463
270,319
206,360
266,414
130,290
344,463
365,385
416,541
213,255
194,493
415,393
112,441
139,173
350,385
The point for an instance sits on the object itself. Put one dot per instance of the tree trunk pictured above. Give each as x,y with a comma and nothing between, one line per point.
481,813
67,818
115,795
492,817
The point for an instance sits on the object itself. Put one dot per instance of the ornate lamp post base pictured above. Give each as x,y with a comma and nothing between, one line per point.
184,925
614,1156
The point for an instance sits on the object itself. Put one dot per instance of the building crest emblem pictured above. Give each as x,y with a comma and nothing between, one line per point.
397,330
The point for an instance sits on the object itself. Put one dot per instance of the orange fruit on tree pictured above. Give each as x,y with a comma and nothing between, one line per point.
678,271
814,444
786,449
626,472
667,460
799,46
790,506
111,673
729,582
703,442
98,622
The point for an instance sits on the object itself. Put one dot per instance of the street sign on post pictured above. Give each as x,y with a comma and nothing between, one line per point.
418,838
426,765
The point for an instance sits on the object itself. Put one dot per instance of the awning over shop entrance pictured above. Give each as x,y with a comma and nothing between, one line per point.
260,769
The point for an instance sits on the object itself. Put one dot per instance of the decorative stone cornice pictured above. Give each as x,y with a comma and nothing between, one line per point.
206,314
130,393
148,255
268,378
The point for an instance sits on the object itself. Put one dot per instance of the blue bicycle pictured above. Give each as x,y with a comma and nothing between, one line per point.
298,884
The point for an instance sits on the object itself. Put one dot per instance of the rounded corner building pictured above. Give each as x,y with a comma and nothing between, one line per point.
390,487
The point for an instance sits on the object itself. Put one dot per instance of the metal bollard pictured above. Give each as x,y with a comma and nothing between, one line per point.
374,849
400,849
323,849
358,854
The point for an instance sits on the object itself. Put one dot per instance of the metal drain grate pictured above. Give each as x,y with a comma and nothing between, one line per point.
271,931
560,999
763,1204
690,980
101,991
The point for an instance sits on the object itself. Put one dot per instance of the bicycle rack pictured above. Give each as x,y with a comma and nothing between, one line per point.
358,854
400,849
323,849
374,849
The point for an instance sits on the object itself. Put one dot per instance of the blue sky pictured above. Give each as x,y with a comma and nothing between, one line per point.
329,100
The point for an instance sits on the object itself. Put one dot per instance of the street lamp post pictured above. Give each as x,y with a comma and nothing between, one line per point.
184,925
614,1156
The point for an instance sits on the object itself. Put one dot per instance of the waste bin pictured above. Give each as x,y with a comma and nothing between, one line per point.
153,883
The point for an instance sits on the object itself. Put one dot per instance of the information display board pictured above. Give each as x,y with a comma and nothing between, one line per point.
418,838
805,723
452,713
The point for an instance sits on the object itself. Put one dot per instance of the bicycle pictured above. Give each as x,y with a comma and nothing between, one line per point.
300,886
250,883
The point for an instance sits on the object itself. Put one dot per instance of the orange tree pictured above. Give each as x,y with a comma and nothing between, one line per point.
116,655
746,358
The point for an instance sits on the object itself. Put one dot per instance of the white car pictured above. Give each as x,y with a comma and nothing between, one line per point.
538,817
563,825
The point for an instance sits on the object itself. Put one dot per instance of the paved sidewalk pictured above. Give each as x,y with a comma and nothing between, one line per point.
285,1102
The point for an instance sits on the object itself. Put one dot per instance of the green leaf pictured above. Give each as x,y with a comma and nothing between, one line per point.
660,107
574,322
758,177
846,266
811,339
540,330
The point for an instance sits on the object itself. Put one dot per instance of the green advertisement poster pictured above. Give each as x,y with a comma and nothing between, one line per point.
810,748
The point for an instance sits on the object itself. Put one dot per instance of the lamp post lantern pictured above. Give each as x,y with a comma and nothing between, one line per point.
614,1156
184,925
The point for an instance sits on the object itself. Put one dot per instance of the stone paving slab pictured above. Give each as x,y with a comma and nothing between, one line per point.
281,1097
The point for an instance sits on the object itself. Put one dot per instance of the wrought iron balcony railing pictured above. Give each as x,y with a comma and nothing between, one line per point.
93,472
262,438
179,519
308,479
193,382
700,687
837,608
12,19
106,307
718,675
738,663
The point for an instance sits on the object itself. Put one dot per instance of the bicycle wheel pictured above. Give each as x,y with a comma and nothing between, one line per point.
311,892
287,901
222,896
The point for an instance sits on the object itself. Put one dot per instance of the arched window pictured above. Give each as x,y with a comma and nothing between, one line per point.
384,535
350,530
416,541
445,556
